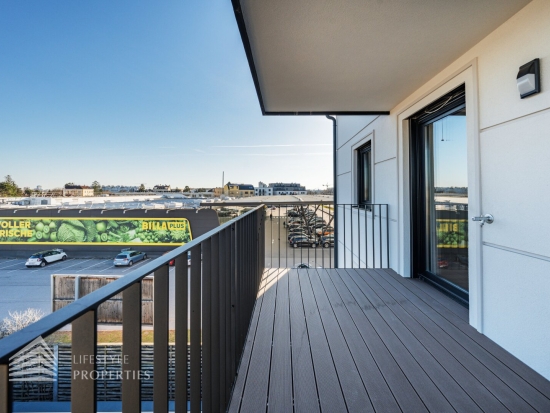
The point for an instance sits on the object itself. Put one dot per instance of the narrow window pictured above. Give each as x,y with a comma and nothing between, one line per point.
364,174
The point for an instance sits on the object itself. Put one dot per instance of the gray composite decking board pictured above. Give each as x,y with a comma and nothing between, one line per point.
471,354
306,399
478,382
488,378
319,339
329,390
355,394
484,349
448,302
515,382
402,390
280,382
442,376
423,289
378,390
249,365
240,381
429,393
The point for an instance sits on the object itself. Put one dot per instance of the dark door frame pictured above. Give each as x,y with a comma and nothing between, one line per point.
447,104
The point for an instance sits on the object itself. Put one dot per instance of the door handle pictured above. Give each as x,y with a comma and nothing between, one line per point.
487,218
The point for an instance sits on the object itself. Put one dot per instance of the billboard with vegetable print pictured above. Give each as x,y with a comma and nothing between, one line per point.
452,233
95,231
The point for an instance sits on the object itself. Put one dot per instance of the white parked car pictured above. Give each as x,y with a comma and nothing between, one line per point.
40,259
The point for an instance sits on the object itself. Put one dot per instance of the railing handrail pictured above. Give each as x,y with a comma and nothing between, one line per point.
52,322
252,203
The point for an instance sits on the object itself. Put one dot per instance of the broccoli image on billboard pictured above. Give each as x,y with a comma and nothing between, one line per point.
95,231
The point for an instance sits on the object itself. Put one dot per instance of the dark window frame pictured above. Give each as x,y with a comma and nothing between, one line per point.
361,164
447,104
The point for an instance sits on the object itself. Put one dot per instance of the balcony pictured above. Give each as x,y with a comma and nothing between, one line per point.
259,336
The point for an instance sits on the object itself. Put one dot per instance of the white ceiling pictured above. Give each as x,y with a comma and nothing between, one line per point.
360,55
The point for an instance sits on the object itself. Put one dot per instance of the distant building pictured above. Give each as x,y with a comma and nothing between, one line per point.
78,190
280,188
201,193
162,188
238,190
218,192
263,190
119,188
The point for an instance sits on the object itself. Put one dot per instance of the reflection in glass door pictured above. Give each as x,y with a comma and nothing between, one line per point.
439,189
447,198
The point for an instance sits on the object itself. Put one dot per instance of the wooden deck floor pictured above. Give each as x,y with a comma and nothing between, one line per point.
344,340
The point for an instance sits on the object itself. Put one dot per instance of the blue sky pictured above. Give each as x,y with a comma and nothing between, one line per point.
130,92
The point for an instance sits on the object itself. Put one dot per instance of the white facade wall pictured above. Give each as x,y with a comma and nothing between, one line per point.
509,165
263,191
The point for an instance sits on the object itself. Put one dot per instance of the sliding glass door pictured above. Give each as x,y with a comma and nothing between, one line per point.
440,194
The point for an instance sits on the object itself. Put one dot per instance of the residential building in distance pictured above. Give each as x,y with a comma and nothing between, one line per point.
119,188
201,193
238,190
280,188
263,190
162,188
78,190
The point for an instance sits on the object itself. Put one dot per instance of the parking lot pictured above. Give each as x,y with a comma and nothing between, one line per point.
22,288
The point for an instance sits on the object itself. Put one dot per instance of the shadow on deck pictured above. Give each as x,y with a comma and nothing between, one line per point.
353,340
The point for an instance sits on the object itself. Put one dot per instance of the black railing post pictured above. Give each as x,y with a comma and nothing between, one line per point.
83,363
387,237
373,244
160,338
215,325
196,263
4,389
206,305
181,324
233,300
223,310
131,349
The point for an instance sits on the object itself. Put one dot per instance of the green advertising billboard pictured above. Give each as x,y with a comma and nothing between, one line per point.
95,231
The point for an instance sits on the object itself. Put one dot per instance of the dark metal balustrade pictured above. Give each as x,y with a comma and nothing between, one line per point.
215,299
362,241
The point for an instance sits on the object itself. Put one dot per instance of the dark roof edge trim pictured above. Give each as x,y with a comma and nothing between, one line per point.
248,50
335,113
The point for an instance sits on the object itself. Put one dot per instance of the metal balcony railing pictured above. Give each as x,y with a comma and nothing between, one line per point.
311,234
215,297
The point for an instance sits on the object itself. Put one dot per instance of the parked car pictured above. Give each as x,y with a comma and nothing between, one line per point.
128,257
317,220
295,219
324,230
318,225
41,259
301,235
327,241
302,241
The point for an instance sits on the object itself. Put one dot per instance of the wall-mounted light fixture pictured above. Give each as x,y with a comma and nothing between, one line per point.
528,78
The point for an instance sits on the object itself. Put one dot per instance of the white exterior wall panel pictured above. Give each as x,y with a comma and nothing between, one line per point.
511,297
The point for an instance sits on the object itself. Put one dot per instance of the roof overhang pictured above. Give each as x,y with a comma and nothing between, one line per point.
356,57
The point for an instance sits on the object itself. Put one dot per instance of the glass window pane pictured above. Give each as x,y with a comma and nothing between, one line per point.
447,198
